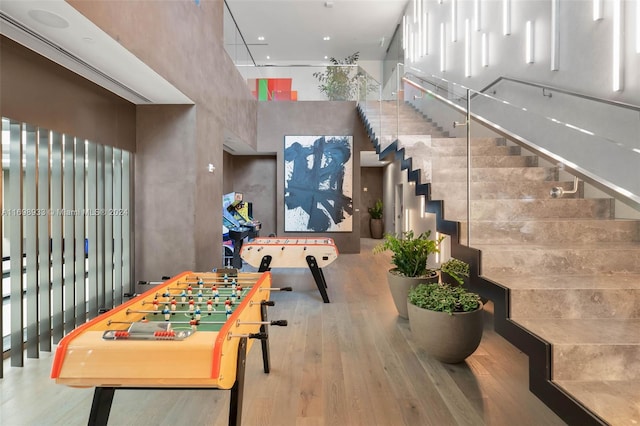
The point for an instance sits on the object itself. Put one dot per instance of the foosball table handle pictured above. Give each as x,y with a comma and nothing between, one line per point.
259,336
281,323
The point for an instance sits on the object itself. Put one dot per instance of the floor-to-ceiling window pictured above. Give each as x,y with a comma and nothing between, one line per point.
66,234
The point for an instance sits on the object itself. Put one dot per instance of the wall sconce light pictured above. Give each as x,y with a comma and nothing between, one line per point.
555,55
597,10
485,50
425,42
442,47
506,17
637,26
454,27
617,45
529,42
467,48
404,32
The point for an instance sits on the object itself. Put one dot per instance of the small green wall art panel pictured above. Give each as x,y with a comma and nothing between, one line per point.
318,183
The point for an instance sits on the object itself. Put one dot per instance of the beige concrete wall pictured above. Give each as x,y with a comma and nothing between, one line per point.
181,41
37,91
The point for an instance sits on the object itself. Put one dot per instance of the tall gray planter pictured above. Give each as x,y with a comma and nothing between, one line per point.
376,226
399,285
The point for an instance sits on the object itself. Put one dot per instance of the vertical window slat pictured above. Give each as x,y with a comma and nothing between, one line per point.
30,233
15,235
79,223
44,245
108,227
92,220
116,213
57,259
68,231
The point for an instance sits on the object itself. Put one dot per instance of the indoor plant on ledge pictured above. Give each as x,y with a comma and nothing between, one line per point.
376,225
446,319
410,256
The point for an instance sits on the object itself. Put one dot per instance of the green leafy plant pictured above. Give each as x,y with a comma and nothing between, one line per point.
456,269
340,81
376,211
410,254
444,298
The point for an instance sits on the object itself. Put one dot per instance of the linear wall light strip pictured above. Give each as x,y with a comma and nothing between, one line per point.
420,32
454,27
529,42
485,50
476,15
442,47
415,11
425,42
555,35
617,45
404,32
467,48
506,17
597,10
637,26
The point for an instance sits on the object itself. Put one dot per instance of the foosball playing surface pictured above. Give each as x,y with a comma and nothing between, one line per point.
182,333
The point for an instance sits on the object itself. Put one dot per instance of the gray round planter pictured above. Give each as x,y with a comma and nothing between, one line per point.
399,285
450,338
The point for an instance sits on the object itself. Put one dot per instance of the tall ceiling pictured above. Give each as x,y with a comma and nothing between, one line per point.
294,30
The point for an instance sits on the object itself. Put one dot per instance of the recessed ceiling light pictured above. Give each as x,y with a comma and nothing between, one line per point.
326,57
268,57
261,38
326,38
47,18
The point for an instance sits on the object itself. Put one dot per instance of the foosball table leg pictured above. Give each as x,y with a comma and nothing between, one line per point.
101,406
266,357
237,391
318,276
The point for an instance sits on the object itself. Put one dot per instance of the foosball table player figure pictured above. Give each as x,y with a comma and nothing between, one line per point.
130,346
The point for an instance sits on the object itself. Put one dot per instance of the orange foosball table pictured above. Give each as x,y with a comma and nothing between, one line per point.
316,253
210,317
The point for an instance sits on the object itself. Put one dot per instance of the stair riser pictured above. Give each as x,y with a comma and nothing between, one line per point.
503,210
575,303
596,362
542,232
557,262
485,161
505,174
461,151
498,190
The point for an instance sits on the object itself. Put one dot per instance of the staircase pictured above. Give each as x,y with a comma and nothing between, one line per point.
571,271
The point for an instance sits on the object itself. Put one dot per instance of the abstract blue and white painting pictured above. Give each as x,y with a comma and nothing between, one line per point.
318,183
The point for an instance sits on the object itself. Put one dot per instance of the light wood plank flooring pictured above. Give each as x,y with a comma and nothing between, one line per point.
350,362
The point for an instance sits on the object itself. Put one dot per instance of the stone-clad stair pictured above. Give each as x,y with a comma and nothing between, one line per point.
572,270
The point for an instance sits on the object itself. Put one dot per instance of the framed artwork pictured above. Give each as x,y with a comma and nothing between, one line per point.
318,183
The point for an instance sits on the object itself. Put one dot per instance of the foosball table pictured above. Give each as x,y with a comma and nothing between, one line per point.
211,317
315,253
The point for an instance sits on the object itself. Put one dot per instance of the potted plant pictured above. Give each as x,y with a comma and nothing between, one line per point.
376,225
340,81
446,319
410,256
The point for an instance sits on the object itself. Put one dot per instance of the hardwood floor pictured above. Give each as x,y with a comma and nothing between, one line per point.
350,362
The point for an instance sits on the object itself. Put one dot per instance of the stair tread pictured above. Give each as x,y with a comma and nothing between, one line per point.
594,331
544,282
615,401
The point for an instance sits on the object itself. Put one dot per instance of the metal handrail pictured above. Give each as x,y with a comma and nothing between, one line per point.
585,175
563,91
